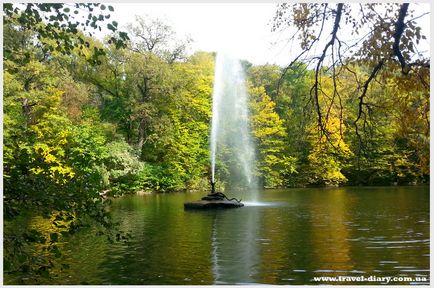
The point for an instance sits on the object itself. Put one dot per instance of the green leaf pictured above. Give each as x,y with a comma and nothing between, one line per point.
54,237
6,265
111,27
55,250
22,258
43,272
111,8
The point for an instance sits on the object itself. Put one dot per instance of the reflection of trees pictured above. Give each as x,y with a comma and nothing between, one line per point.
330,234
388,232
374,230
311,236
166,241
283,245
275,246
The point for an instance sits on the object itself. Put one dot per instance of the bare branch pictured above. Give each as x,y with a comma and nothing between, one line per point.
361,104
399,29
303,52
365,88
319,65
417,17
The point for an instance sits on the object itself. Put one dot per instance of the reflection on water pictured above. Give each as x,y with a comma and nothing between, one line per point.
297,235
247,203
235,252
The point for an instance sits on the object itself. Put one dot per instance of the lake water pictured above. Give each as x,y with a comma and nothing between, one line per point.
290,237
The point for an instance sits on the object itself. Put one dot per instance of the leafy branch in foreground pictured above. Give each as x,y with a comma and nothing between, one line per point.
58,26
381,35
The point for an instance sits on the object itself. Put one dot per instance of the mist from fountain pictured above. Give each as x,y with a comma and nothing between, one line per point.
231,139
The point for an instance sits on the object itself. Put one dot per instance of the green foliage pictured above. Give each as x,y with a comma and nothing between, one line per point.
56,28
48,166
122,169
94,120
275,165
392,147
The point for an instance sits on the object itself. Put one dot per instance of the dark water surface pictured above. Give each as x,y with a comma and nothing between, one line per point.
293,236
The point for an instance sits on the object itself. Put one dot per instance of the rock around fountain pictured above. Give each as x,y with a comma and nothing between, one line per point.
214,200
229,129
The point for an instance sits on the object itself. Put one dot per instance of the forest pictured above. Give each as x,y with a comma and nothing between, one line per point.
87,119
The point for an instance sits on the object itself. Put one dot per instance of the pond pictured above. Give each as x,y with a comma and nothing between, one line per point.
289,237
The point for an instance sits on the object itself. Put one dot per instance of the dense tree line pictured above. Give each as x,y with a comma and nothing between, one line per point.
367,71
132,113
395,134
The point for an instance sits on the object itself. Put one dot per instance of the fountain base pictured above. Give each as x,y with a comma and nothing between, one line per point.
214,200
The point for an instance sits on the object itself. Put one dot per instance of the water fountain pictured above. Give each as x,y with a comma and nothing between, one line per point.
229,132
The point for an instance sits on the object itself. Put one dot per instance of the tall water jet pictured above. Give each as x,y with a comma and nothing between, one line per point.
230,130
231,141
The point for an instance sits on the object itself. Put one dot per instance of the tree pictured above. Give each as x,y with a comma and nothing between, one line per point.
275,166
57,29
49,164
134,82
152,35
53,146
385,37
396,117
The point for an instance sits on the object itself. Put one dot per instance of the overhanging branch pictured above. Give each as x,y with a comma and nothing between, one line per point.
315,87
399,29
